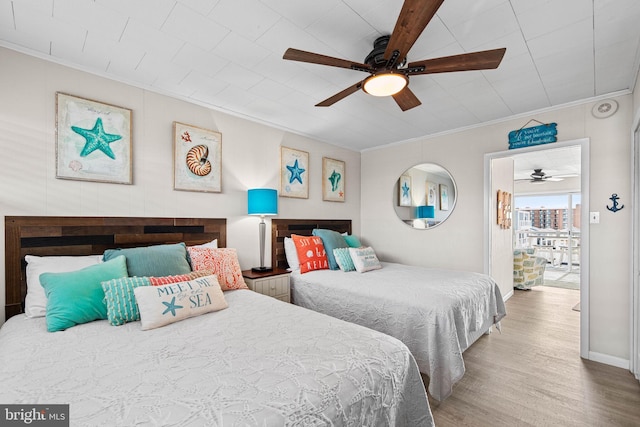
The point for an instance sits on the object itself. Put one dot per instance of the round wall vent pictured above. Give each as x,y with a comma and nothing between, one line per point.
604,109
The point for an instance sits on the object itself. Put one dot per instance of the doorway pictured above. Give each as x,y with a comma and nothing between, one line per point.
491,259
548,224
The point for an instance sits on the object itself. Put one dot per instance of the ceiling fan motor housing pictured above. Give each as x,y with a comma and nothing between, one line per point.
376,56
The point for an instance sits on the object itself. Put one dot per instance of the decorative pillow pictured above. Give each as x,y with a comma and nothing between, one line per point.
77,297
352,241
291,254
158,281
364,259
120,298
344,259
310,252
36,300
158,260
331,240
161,305
223,262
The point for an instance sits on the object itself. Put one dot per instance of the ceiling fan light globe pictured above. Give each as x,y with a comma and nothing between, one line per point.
385,84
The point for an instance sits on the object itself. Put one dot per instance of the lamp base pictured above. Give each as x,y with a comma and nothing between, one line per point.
261,269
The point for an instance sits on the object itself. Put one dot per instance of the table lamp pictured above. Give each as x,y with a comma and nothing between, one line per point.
263,202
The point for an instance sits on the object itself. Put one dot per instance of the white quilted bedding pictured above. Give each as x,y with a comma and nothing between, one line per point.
261,362
436,313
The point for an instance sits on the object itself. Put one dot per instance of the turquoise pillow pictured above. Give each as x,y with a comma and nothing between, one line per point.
344,259
120,299
77,297
158,260
331,240
352,241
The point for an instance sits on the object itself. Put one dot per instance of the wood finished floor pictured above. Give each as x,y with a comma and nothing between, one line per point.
532,373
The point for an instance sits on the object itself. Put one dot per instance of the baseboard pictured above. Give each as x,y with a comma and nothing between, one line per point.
609,360
507,296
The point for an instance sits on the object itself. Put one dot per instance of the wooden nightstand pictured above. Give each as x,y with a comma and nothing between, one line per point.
273,283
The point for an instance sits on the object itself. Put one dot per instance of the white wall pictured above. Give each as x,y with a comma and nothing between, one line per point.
250,158
501,261
459,242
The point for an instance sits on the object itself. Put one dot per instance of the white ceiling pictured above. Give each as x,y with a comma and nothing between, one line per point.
227,54
554,162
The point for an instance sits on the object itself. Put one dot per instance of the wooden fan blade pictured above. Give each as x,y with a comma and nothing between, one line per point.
315,58
340,95
406,99
484,60
414,17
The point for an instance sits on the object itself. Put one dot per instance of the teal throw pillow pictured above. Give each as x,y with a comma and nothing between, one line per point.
352,241
158,260
331,240
344,259
120,299
77,297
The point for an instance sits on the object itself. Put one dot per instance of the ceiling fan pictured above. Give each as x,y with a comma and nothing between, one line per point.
538,176
387,62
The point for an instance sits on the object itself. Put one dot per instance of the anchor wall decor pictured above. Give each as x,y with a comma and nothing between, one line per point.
615,208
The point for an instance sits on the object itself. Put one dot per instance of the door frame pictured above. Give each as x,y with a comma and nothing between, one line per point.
634,339
584,223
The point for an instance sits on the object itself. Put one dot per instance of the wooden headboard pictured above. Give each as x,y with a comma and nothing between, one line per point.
281,228
56,236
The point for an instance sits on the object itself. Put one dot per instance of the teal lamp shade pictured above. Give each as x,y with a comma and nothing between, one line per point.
262,201
426,212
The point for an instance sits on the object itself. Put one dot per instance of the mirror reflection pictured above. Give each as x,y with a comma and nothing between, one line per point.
424,196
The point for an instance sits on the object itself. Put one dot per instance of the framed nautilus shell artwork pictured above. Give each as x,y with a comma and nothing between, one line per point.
333,180
197,159
93,140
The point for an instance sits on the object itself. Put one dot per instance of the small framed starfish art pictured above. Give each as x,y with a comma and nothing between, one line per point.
93,140
197,155
404,191
333,180
294,173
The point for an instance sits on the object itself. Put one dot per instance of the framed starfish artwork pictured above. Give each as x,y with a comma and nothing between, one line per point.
333,180
404,191
93,140
294,173
197,155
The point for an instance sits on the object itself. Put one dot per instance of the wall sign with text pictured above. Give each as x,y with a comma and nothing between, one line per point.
535,135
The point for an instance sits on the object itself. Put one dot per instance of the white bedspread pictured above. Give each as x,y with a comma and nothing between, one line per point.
261,362
436,313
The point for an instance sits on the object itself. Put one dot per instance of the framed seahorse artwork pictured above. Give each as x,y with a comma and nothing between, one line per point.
333,180
93,140
197,159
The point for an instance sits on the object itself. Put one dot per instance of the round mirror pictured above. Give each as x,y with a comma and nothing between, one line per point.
424,196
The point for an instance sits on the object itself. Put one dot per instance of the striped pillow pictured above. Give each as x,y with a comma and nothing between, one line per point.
344,259
120,298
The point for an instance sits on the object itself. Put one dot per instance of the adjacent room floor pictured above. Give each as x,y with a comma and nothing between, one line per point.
532,374
562,277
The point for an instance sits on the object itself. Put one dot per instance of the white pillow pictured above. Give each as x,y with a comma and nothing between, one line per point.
36,301
161,305
291,254
212,245
364,259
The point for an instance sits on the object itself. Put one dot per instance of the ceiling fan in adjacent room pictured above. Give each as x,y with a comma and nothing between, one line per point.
538,176
387,62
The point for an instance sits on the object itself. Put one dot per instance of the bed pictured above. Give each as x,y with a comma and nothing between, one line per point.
258,362
437,313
